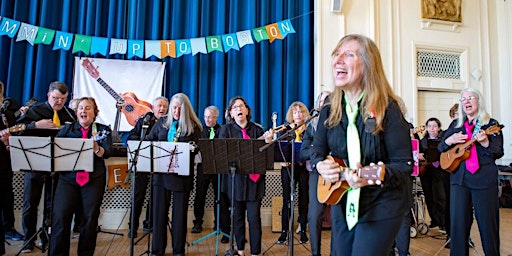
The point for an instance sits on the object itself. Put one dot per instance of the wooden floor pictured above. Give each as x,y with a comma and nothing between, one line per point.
428,244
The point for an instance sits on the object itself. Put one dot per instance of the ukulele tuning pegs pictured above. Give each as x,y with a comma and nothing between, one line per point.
372,164
380,163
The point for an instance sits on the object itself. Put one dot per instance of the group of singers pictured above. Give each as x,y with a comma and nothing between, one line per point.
361,124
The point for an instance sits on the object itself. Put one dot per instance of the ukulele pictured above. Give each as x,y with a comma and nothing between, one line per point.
133,108
332,192
28,104
451,159
16,128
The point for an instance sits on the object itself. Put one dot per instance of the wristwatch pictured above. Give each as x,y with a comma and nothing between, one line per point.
97,151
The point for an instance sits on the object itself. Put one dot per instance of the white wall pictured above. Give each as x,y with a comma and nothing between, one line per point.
484,35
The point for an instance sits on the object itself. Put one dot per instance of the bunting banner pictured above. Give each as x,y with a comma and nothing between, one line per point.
90,45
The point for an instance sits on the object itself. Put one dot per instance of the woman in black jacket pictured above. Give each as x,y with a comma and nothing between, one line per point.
180,125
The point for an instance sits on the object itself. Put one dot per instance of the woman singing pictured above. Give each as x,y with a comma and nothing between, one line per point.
84,188
297,115
363,124
475,181
180,125
250,188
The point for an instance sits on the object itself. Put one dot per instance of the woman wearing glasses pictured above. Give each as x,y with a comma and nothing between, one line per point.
249,188
475,180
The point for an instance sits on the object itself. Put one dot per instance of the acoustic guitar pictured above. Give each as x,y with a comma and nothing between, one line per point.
133,108
332,192
451,159
16,128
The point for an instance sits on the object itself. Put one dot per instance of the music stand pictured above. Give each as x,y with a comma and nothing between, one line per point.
133,155
207,149
236,156
51,155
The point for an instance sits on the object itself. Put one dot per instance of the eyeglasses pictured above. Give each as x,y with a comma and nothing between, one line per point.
470,98
242,106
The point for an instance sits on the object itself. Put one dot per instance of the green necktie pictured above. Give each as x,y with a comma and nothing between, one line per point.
354,156
212,133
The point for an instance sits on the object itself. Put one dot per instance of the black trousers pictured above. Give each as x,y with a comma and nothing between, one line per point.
2,231
366,238
70,197
7,211
315,215
32,191
432,184
203,181
252,209
162,200
486,207
302,178
141,187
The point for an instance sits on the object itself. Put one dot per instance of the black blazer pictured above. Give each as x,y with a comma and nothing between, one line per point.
172,181
392,147
487,175
245,188
43,110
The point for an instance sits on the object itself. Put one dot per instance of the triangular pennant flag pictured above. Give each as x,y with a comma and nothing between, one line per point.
82,43
135,48
27,32
44,36
118,46
244,38
99,45
213,43
260,34
273,32
168,48
183,47
9,27
153,48
229,42
285,27
198,45
63,41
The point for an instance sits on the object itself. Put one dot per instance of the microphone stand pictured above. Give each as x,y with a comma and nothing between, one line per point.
292,178
131,175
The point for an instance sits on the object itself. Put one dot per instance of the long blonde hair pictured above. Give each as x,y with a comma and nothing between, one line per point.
188,118
377,90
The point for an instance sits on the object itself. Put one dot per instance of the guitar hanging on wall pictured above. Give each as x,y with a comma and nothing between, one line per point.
133,108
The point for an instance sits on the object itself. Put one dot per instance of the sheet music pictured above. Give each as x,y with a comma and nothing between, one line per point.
144,159
73,154
30,153
168,157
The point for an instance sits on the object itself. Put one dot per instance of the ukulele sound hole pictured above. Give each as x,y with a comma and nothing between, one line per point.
128,108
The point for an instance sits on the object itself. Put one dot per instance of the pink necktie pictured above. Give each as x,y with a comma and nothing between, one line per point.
245,136
472,162
82,177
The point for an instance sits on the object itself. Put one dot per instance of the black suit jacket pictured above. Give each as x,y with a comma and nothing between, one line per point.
43,110
392,147
172,181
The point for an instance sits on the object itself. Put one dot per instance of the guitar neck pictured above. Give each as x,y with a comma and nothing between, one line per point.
109,89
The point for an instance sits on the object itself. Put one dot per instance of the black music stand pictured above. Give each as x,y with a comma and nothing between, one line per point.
26,151
207,149
132,171
236,156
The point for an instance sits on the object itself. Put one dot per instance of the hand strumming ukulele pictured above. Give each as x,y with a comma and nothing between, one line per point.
451,159
332,192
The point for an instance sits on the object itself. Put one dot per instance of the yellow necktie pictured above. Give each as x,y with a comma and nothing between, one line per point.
56,120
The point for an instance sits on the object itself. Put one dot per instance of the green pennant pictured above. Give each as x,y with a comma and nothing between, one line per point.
260,34
44,36
214,43
82,43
